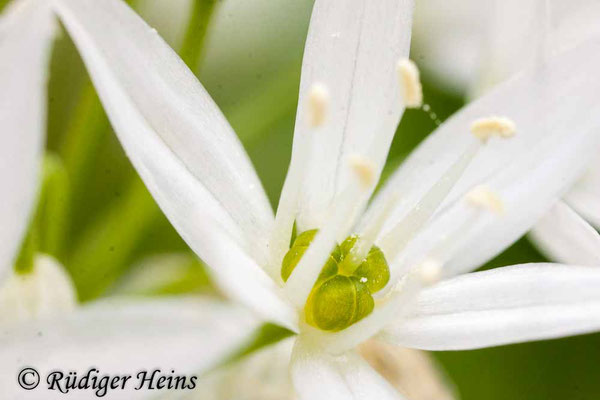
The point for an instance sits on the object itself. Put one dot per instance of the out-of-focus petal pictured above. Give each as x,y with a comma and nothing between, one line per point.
413,373
46,291
566,237
26,32
554,142
262,375
319,376
501,306
352,50
121,337
172,131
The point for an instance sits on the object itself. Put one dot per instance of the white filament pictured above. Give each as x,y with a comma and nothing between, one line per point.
398,237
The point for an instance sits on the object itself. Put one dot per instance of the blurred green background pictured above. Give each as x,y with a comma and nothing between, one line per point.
250,63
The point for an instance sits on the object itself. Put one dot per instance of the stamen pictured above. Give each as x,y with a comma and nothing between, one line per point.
482,196
408,73
318,104
484,128
363,168
304,276
399,236
366,239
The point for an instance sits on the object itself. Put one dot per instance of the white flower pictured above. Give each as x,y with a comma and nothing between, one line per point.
350,104
26,34
44,297
474,45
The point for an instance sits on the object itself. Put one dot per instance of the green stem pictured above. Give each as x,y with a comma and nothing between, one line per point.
192,47
46,229
106,246
52,209
26,257
83,136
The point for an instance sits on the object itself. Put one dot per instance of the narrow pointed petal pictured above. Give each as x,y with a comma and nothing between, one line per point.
319,376
584,197
501,306
26,32
352,50
553,145
174,134
125,337
566,237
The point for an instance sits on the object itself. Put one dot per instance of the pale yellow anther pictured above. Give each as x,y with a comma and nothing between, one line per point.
318,104
364,170
481,196
430,272
484,128
412,91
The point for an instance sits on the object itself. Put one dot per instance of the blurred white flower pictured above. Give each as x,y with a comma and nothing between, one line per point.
43,296
472,45
431,221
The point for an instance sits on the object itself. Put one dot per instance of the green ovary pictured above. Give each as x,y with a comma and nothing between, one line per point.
343,292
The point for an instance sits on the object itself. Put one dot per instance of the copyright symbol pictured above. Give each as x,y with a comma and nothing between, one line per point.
28,378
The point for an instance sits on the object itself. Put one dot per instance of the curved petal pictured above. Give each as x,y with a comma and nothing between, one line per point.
123,338
26,32
319,376
553,144
501,306
565,237
174,134
352,49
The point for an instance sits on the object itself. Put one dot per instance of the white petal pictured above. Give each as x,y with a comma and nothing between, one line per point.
26,32
554,141
241,279
125,337
174,134
565,237
262,375
45,292
352,49
584,197
471,45
319,376
506,305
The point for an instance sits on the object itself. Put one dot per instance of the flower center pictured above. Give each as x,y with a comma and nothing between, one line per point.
342,294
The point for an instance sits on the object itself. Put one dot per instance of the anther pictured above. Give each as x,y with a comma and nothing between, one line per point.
481,196
485,128
318,103
363,168
408,74
430,272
